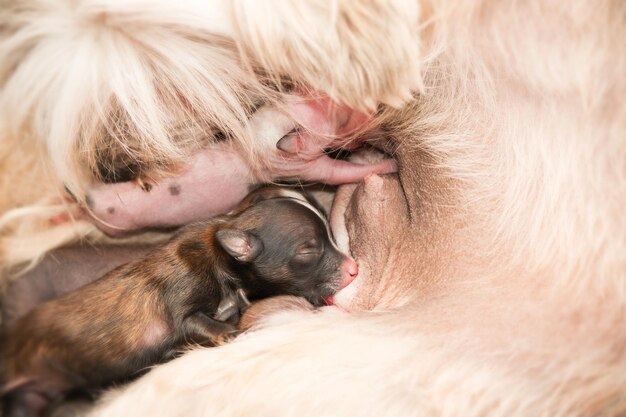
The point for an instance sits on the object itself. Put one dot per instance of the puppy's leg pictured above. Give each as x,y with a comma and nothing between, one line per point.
202,329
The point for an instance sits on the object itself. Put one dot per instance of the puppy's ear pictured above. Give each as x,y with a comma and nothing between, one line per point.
243,246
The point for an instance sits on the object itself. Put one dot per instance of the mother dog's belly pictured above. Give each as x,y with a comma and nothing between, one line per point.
363,222
402,229
438,286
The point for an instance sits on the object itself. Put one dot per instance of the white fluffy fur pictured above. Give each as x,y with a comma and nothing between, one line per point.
517,285
338,365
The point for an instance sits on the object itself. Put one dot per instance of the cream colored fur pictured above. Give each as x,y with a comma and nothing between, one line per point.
506,296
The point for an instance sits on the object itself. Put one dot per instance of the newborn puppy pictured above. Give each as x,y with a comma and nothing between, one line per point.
180,293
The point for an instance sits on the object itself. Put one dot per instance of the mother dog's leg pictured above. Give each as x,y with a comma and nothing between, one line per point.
348,49
139,101
109,90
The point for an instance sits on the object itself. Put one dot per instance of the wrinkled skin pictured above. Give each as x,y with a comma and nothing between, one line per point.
292,149
377,201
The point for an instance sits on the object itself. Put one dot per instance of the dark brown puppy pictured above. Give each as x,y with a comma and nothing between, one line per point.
182,292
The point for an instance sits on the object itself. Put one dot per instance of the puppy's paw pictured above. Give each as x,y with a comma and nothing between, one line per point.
226,337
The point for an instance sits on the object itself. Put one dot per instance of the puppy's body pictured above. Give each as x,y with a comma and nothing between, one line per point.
180,293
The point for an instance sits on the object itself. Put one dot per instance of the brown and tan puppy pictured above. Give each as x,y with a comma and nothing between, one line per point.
186,291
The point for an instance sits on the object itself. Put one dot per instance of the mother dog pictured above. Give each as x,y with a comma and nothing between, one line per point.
493,267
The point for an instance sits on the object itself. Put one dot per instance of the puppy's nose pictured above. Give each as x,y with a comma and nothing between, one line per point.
349,271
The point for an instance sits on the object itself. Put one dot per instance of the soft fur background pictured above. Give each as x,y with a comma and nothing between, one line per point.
505,295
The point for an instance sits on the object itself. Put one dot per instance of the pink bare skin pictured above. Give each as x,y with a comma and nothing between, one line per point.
214,182
216,179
